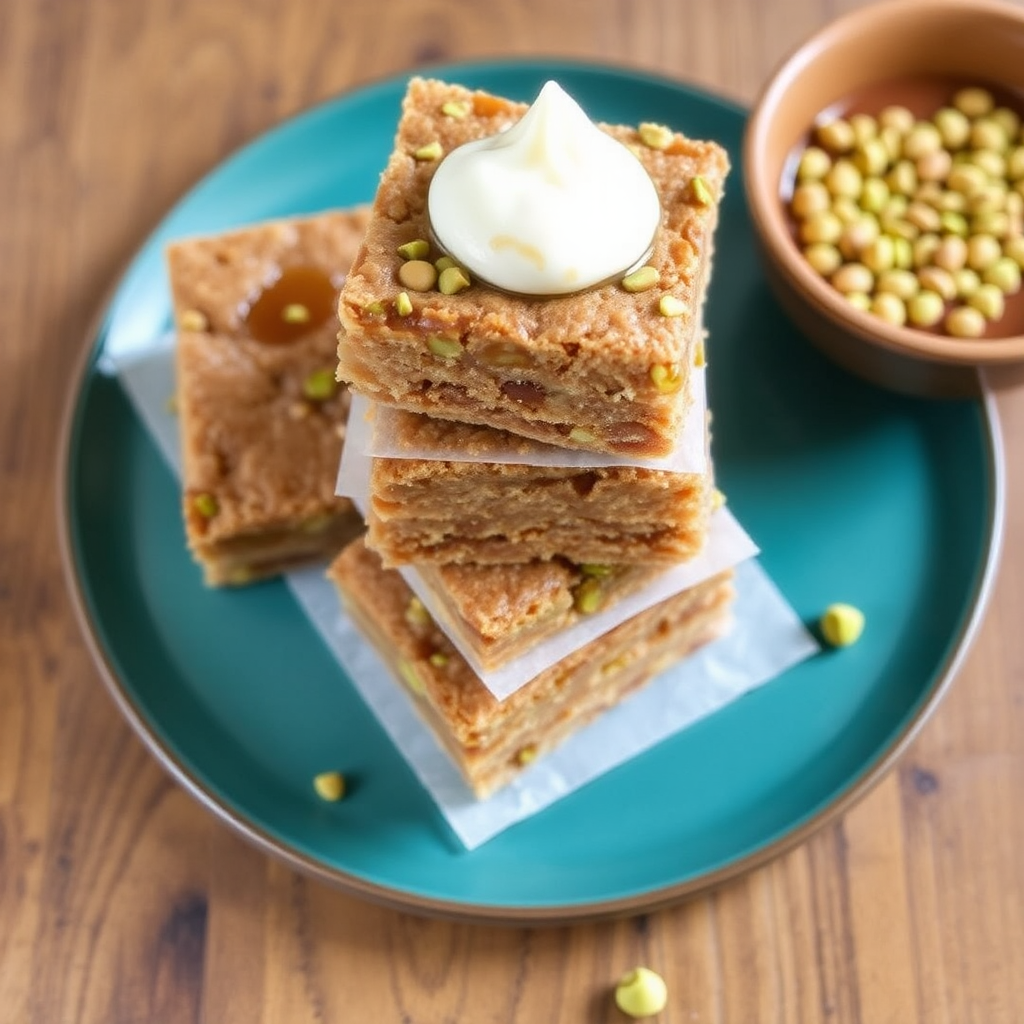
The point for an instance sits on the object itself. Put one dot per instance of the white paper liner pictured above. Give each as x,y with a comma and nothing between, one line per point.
727,545
689,455
766,638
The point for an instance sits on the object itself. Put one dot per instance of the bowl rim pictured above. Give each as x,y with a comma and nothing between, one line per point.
769,216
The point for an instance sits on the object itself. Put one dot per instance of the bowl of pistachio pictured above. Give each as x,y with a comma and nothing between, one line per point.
884,169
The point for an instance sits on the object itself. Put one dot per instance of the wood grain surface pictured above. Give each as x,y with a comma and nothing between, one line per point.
121,900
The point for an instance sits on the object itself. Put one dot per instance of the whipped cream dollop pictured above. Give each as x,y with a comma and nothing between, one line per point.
550,206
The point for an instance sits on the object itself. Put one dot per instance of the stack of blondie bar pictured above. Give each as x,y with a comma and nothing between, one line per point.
522,484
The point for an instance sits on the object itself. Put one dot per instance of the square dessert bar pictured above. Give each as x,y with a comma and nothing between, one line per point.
261,416
491,741
600,370
501,612
429,511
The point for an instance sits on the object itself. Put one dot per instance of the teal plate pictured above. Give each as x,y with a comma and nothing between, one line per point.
854,494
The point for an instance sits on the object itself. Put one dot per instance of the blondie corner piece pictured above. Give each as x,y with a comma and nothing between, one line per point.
491,741
262,419
601,370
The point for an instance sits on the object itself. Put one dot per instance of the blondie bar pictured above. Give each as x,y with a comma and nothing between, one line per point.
261,416
491,741
427,511
600,370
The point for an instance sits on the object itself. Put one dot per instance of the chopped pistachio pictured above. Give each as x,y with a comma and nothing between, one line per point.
666,377
329,786
206,505
438,659
193,320
595,569
374,308
446,348
403,304
319,385
701,192
442,263
431,151
416,613
669,305
456,109
411,677
586,596
452,280
295,313
655,136
527,754
417,249
641,280
581,436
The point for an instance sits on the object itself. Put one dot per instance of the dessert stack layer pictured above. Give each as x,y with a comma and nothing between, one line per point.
518,553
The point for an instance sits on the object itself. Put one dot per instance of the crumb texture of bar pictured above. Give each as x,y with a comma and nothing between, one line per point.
491,741
601,370
261,423
425,511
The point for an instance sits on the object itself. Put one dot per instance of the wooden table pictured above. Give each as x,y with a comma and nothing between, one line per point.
121,901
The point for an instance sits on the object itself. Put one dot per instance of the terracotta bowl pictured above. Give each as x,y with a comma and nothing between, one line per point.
978,41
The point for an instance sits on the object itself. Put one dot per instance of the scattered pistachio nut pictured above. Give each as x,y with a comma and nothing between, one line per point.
417,249
669,305
403,304
596,569
455,109
438,659
655,136
319,385
329,786
442,263
431,151
842,624
642,279
641,992
375,308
